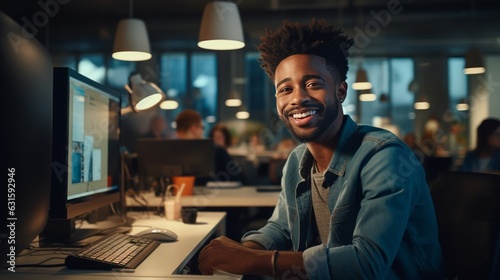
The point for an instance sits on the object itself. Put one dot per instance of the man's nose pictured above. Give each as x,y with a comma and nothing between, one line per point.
300,96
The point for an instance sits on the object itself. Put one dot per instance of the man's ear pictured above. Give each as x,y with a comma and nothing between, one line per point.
342,91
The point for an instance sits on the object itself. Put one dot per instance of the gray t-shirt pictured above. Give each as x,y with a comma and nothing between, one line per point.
320,204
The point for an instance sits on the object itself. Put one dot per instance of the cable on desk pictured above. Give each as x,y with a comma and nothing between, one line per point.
40,264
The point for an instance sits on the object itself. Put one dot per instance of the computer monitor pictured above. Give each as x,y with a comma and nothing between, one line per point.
85,153
176,157
26,129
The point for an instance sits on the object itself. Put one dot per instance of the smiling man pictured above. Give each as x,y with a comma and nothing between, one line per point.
354,202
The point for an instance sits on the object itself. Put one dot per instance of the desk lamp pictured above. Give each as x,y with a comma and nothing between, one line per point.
143,95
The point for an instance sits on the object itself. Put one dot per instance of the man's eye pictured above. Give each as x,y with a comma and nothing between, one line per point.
284,90
313,84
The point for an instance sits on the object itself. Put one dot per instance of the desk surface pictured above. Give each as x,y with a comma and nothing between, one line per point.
246,196
167,260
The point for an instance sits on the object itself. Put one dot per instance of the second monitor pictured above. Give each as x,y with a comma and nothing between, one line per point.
175,157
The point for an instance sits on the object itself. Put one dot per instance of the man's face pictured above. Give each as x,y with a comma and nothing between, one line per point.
307,97
199,130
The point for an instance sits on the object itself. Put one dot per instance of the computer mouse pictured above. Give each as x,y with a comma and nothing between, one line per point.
163,235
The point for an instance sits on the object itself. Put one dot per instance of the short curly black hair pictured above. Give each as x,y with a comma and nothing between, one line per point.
316,38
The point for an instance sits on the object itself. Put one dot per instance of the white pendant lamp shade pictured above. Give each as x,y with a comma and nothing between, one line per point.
221,27
233,102
361,82
462,105
474,63
367,96
169,104
131,41
242,114
422,102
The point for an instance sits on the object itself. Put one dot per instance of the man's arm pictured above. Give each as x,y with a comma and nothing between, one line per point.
249,258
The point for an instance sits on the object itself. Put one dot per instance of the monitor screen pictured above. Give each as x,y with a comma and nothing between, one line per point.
92,127
86,158
176,157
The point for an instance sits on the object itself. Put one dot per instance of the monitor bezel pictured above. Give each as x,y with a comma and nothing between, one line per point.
61,207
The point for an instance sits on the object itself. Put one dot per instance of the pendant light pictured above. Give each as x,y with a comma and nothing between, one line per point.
422,102
221,27
462,105
361,82
234,98
131,39
242,113
367,96
474,63
169,104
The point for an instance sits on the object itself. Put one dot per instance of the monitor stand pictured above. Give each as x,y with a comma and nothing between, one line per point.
62,232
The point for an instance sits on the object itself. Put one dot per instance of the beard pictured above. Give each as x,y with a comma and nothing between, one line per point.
326,116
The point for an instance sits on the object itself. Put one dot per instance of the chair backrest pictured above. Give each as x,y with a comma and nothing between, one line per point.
434,166
467,206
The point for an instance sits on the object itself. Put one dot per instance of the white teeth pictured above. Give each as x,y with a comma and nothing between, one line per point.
303,115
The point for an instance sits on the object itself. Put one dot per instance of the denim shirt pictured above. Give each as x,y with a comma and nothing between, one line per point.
382,222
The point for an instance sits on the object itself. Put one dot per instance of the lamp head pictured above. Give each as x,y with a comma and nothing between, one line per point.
143,95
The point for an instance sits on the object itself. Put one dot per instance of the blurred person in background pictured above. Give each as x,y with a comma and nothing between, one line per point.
486,156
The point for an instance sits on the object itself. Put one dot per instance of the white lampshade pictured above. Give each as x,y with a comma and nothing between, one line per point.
462,105
232,102
144,95
474,63
169,104
243,114
131,41
421,102
367,96
221,27
361,82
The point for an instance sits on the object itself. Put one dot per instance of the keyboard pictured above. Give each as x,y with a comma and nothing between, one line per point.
223,184
114,251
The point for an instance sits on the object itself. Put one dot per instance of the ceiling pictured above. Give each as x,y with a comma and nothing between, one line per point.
413,27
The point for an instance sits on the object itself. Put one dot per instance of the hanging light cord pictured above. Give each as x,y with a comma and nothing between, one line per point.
131,9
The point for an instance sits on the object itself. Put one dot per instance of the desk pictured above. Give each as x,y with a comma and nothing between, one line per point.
246,196
167,260
239,203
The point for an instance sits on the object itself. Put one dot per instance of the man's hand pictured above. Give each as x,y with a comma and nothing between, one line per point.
228,255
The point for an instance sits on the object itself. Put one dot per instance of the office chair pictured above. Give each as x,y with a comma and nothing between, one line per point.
434,166
467,207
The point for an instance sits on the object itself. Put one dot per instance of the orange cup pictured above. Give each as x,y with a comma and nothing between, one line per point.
188,182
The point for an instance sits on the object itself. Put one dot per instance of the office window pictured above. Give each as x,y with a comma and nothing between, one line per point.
203,77
401,99
118,73
191,79
377,70
457,81
173,80
259,91
390,78
93,66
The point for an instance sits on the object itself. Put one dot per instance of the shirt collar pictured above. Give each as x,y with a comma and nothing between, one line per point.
340,158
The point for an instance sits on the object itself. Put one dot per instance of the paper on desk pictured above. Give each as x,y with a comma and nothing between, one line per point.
231,276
